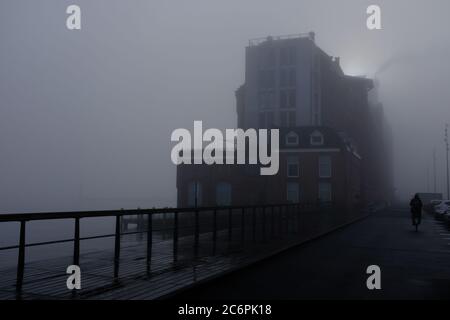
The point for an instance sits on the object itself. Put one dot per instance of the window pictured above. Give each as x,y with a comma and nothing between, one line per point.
283,78
270,79
270,118
288,77
261,78
316,138
223,194
291,119
324,166
293,192
287,119
262,120
266,99
293,169
316,118
266,79
324,191
283,119
292,99
266,119
284,56
271,58
292,55
288,98
288,56
283,99
292,139
194,194
267,58
292,77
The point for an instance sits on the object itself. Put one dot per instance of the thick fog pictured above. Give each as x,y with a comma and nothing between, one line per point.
86,116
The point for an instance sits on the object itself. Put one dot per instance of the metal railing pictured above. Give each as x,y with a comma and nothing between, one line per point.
266,214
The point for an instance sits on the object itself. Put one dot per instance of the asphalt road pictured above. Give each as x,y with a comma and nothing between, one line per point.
414,265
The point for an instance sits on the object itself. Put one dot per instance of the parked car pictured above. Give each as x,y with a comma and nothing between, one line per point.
442,209
436,202
429,207
447,216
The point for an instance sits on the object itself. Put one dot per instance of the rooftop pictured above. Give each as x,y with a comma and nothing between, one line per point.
259,41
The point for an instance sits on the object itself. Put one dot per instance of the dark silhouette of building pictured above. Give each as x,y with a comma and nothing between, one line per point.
292,84
290,81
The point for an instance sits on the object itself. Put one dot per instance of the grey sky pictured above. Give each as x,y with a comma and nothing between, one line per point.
86,116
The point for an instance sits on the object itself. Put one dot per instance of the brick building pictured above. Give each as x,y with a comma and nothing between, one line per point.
317,164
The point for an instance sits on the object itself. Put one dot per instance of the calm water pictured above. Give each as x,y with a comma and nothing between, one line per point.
38,231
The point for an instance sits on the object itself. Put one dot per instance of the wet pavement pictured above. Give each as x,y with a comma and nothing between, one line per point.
414,265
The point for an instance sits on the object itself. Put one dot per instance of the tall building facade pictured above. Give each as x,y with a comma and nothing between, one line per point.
281,83
291,82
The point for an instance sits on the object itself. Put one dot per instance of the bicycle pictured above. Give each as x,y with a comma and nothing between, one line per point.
416,220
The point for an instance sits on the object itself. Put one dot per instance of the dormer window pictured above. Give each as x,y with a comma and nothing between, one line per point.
292,139
316,138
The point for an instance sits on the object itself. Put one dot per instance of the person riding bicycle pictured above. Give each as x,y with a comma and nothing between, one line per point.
416,210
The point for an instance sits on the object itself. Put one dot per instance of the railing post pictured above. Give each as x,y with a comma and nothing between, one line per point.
264,223
214,230
117,248
164,223
272,226
230,223
149,240
286,219
76,243
243,225
254,223
21,257
298,218
294,218
175,236
280,221
197,231
140,221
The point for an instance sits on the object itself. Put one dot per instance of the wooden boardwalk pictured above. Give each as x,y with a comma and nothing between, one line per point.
47,279
234,248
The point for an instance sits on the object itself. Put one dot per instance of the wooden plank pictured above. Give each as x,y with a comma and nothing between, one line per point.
47,279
